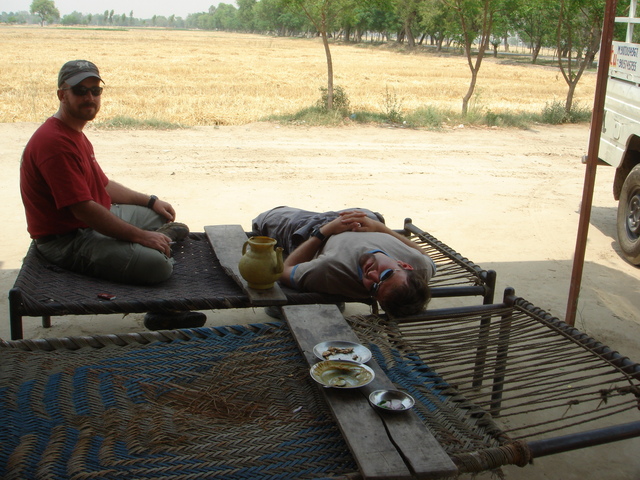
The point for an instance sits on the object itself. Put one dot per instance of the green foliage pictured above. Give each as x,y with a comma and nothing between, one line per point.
392,106
555,113
434,118
314,116
340,99
73,18
429,117
45,9
509,119
128,123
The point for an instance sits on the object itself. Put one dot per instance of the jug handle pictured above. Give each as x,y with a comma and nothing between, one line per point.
244,247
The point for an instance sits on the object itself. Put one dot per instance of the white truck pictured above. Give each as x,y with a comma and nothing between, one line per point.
620,136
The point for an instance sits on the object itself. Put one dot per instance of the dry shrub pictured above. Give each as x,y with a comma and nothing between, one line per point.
207,78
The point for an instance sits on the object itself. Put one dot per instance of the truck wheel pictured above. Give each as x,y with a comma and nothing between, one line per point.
628,223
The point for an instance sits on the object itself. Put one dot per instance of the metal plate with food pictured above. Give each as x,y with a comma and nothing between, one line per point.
391,400
341,374
342,350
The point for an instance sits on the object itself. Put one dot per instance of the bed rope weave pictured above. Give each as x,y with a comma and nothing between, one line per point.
237,402
200,283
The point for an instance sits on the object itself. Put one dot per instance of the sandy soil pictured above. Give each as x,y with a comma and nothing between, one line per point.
506,199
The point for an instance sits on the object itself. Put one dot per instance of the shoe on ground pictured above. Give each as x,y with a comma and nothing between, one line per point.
276,312
174,320
176,231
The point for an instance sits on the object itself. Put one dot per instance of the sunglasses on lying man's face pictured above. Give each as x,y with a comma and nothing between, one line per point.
384,276
81,90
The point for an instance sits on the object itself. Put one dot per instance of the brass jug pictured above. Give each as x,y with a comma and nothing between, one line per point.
261,264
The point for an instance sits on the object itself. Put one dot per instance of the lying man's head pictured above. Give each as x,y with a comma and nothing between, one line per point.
399,289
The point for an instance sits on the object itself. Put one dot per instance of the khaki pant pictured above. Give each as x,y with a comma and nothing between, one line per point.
91,253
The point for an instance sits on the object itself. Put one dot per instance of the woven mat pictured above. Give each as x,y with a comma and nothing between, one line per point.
198,283
227,403
230,403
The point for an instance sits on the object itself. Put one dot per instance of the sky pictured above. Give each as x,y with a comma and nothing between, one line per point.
141,8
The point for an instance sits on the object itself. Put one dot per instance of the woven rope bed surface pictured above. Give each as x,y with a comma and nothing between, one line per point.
198,283
227,402
208,403
538,377
238,402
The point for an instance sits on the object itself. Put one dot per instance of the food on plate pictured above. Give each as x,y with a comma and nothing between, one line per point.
331,351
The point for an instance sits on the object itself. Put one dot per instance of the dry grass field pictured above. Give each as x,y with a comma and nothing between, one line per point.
207,78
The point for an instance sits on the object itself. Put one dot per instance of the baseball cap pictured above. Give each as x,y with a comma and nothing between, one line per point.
75,71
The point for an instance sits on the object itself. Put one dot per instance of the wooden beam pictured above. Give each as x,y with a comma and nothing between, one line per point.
384,444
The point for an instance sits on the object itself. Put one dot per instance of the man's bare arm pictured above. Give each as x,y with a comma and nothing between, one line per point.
125,196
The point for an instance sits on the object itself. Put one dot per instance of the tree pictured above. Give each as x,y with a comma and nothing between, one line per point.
579,31
437,21
407,11
45,9
74,18
535,21
475,19
321,14
246,16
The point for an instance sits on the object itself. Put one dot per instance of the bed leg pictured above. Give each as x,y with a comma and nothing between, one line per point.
481,352
490,282
501,363
46,321
15,318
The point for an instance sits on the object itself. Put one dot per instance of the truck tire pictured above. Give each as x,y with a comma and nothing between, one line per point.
628,223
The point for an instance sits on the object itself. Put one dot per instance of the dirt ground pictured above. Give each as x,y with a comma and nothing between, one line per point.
507,199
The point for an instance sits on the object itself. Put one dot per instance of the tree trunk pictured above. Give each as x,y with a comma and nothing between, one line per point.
535,52
327,51
411,41
472,87
569,103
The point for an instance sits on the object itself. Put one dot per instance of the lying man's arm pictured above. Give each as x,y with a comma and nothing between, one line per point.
307,250
358,222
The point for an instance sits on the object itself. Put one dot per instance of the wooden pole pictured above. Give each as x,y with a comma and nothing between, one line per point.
592,160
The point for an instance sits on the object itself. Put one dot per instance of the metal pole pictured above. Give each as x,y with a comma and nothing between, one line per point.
541,448
592,160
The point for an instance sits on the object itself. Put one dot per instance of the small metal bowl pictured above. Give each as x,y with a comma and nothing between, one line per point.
391,400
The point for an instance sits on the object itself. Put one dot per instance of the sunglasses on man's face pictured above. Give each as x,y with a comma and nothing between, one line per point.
81,90
384,276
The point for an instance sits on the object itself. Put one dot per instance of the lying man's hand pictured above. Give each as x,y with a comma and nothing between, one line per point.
357,221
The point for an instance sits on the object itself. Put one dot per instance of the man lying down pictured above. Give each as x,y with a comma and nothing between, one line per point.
350,253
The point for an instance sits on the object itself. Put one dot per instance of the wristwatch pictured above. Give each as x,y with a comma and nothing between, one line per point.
152,200
317,233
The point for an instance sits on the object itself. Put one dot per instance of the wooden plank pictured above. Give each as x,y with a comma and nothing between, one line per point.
384,444
227,242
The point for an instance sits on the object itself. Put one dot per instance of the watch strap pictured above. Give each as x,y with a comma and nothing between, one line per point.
318,234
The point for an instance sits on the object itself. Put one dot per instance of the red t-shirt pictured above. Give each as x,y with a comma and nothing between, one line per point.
59,169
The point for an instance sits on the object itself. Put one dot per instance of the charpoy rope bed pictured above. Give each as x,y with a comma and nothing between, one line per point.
237,402
198,283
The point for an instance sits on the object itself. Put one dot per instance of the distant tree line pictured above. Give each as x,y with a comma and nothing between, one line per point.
408,22
570,28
